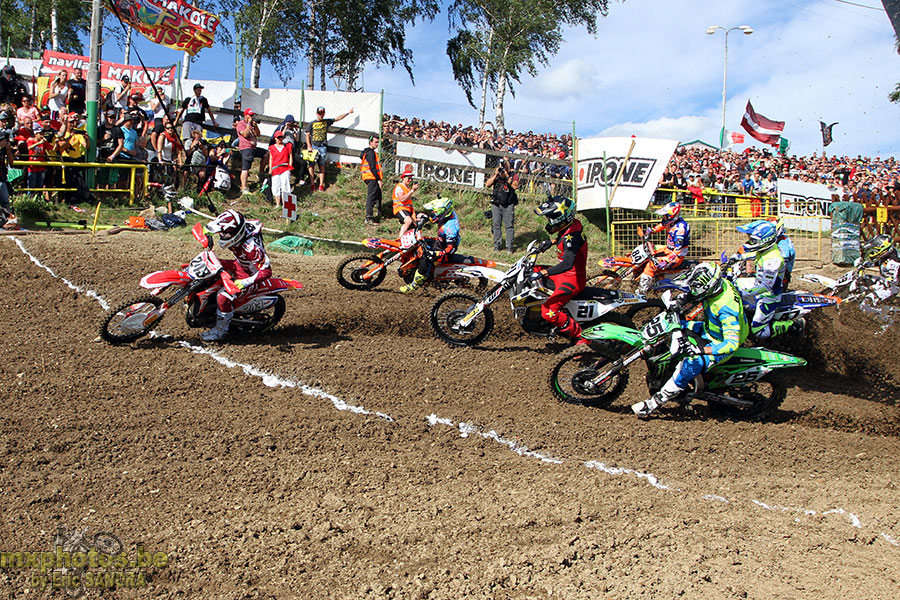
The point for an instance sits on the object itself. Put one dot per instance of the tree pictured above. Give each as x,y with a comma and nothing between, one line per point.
29,24
498,40
348,34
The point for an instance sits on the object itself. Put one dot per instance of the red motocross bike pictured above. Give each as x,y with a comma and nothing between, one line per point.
365,271
197,283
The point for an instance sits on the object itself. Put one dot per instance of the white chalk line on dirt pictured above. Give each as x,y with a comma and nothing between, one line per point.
268,379
79,289
275,381
465,429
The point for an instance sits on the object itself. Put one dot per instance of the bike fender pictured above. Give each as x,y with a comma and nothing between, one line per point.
611,331
277,284
159,279
494,275
769,358
820,279
381,244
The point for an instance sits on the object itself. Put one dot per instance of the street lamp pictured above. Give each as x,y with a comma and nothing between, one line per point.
711,31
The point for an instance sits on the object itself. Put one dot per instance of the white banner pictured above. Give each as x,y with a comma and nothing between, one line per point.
458,168
641,176
366,115
804,205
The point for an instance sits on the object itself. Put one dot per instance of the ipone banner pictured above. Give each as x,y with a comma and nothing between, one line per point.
456,168
640,174
171,23
804,205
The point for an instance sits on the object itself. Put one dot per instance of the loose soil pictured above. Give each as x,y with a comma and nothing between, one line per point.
438,490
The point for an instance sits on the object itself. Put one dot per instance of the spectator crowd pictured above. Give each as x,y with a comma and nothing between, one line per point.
146,126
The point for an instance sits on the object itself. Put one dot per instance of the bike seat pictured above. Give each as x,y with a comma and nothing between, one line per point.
596,293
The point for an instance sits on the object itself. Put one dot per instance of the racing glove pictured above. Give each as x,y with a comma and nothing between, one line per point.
241,283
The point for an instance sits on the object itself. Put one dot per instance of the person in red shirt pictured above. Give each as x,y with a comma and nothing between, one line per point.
281,163
38,148
569,276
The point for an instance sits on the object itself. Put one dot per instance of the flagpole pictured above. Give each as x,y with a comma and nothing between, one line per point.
92,94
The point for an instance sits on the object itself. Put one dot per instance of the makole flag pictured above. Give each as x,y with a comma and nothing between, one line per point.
760,128
640,174
171,23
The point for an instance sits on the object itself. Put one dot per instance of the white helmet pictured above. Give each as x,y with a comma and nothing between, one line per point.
231,227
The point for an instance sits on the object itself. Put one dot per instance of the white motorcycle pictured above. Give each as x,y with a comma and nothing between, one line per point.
462,319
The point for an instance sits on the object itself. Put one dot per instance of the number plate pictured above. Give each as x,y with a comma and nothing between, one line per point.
656,326
640,254
408,240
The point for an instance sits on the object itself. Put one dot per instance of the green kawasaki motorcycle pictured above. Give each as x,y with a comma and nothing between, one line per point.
743,387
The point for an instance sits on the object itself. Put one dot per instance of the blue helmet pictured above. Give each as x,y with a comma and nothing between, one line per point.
762,235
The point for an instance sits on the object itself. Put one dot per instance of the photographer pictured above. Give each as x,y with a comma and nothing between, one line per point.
248,132
505,182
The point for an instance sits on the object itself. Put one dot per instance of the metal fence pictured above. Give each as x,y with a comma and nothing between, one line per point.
714,228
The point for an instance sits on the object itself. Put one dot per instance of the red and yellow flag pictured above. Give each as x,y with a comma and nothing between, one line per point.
171,23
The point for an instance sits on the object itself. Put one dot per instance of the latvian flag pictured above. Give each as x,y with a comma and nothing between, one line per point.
760,128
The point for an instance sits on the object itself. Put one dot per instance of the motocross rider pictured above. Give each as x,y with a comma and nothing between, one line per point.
724,327
786,247
678,238
569,275
439,211
880,251
243,237
767,284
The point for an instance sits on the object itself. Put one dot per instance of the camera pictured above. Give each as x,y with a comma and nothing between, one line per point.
488,214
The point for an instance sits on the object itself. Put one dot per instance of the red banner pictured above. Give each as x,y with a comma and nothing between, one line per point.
54,62
171,23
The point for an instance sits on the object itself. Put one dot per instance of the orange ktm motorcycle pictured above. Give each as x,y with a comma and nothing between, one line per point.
365,271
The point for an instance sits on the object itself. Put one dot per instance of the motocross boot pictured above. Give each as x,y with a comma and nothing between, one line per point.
644,284
220,331
668,391
572,330
417,281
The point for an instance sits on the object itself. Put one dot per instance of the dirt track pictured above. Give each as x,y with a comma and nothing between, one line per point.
257,491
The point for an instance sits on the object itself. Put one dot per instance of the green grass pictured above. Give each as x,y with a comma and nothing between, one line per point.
339,213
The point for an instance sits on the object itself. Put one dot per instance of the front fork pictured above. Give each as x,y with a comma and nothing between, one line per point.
478,308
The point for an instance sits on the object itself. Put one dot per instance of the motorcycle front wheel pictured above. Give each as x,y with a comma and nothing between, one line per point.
450,309
126,323
361,272
570,378
259,321
752,402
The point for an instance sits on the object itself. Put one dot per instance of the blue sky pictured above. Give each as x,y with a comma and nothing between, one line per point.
652,71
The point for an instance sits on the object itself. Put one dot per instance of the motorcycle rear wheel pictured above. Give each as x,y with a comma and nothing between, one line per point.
607,279
449,309
351,272
576,366
260,321
119,327
763,398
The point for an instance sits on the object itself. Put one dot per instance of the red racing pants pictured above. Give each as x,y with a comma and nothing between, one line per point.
552,308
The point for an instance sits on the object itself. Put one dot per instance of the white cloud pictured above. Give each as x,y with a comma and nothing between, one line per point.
573,78
684,129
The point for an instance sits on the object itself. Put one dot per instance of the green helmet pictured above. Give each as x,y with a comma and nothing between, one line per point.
438,209
878,248
704,280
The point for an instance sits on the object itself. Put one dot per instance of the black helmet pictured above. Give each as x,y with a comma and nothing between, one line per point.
559,212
